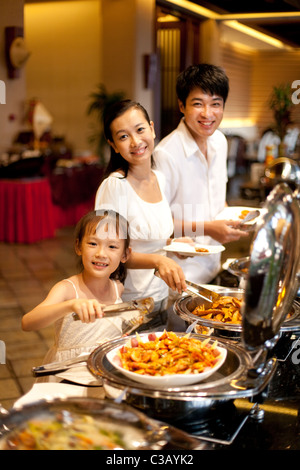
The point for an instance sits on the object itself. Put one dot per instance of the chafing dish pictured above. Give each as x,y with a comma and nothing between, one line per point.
283,170
250,365
138,431
184,307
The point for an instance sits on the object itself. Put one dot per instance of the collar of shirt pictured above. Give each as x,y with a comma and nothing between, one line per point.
191,147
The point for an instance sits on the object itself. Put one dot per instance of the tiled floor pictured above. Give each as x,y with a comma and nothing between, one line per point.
27,272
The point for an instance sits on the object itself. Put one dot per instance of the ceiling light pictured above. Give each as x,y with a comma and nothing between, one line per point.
231,20
255,34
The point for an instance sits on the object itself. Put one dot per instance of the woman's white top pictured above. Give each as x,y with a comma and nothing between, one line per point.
150,225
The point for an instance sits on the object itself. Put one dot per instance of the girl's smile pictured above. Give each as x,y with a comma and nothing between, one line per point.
100,253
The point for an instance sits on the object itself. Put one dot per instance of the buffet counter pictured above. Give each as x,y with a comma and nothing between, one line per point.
269,421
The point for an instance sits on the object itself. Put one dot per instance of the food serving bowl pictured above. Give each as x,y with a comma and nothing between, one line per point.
239,267
235,378
273,275
167,380
184,307
131,429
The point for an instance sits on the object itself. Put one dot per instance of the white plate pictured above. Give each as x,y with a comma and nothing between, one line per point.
165,381
234,213
186,249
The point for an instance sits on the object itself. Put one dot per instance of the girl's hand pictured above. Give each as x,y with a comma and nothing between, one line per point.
88,310
170,272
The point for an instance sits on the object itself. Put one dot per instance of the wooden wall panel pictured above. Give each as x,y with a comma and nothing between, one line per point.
238,65
271,69
252,76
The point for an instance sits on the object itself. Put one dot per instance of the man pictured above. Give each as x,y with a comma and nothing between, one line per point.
193,159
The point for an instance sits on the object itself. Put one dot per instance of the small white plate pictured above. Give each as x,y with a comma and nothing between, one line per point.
235,212
165,381
186,249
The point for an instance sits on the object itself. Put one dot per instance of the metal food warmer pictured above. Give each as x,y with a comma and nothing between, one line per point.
252,374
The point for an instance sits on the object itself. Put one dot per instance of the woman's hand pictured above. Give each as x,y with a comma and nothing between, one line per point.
170,272
167,269
88,310
187,240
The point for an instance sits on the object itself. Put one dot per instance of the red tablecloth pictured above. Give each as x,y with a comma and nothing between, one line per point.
31,209
73,192
66,216
26,210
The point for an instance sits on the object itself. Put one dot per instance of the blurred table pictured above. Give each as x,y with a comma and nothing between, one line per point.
31,209
73,192
26,210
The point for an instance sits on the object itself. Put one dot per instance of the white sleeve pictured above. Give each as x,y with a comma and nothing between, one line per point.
165,164
112,195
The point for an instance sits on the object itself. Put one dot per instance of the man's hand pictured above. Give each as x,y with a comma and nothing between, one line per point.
224,231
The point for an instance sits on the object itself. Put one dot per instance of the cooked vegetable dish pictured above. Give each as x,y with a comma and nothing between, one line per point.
56,433
243,214
168,354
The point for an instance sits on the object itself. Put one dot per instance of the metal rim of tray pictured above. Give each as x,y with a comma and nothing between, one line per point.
290,324
239,382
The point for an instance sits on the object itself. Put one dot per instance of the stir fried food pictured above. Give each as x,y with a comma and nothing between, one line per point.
81,433
200,249
243,214
226,310
168,354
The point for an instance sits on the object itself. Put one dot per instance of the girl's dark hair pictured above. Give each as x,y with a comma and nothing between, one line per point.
117,162
209,78
90,222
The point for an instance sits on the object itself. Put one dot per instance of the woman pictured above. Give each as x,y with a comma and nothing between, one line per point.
134,189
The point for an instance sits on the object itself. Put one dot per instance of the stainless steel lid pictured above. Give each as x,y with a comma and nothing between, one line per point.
283,169
273,274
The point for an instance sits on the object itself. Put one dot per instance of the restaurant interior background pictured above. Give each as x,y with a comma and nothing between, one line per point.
136,47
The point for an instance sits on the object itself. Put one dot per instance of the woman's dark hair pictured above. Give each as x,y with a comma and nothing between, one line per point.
209,78
89,223
117,162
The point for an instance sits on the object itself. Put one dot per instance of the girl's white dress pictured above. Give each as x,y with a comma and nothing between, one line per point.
73,338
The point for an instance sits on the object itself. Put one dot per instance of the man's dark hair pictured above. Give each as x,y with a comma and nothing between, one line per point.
209,78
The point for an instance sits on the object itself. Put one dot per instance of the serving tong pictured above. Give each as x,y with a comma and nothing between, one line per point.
203,292
250,216
145,306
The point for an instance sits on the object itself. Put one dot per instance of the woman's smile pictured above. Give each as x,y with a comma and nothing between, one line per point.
133,136
139,151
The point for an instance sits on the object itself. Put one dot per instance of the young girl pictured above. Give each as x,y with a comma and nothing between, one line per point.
136,190
102,243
